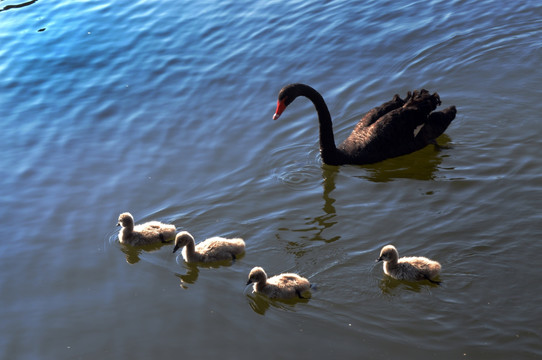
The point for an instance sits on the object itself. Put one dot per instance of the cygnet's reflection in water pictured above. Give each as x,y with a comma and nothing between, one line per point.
190,277
260,303
388,285
133,252
193,269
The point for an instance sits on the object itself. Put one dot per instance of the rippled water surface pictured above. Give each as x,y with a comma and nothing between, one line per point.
164,109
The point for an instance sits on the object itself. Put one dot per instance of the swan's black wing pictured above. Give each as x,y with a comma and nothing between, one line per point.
398,132
379,111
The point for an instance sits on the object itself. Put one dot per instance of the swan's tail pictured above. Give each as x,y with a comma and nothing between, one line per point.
438,122
422,100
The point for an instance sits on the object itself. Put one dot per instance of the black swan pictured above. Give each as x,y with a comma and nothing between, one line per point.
395,128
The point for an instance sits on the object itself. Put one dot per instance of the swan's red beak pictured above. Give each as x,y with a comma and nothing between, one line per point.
280,108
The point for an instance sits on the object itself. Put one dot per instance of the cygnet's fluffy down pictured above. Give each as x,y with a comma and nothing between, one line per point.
283,286
210,250
411,268
151,232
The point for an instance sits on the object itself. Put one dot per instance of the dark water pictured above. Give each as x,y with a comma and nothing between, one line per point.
164,109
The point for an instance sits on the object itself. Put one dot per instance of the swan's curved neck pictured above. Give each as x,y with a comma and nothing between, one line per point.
328,149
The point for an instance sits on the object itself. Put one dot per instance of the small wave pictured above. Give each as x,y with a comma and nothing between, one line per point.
511,42
304,174
111,239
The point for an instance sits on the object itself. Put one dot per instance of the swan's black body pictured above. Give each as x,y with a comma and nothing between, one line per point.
395,128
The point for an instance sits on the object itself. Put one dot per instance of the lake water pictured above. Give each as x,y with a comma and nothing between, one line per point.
164,109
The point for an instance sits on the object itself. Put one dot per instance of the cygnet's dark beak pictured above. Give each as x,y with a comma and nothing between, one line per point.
118,224
176,248
379,259
249,282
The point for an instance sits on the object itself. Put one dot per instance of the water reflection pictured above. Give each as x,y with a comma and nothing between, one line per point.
260,304
190,277
326,220
317,225
133,252
329,173
192,269
420,165
388,285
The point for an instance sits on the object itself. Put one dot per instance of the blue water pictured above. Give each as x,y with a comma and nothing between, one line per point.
164,109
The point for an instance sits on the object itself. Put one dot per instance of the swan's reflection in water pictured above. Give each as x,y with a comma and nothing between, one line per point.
316,226
326,220
420,165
